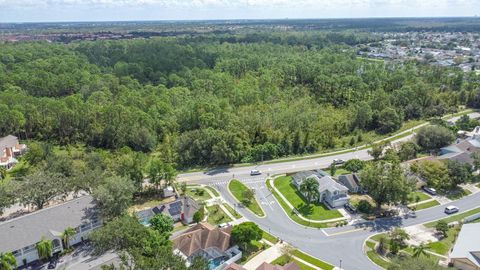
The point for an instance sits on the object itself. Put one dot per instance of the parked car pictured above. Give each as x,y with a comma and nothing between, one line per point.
338,161
255,172
429,190
52,264
451,209
350,208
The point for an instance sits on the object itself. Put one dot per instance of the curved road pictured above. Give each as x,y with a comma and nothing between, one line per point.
332,244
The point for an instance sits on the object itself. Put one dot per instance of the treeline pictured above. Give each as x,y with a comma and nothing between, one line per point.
210,102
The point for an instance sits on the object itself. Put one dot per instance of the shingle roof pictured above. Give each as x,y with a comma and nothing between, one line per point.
8,141
468,243
234,266
350,180
49,222
202,236
327,183
462,157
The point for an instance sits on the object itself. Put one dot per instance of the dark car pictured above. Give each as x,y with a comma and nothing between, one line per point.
52,264
350,208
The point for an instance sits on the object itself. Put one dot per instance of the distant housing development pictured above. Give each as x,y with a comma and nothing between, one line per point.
10,149
20,235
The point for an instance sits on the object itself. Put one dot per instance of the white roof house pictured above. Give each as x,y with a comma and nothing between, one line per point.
465,255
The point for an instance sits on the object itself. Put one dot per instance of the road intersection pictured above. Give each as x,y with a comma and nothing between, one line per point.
342,245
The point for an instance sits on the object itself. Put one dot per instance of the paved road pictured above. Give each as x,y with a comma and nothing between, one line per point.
331,244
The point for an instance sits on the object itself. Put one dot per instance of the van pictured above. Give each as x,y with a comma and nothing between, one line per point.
451,209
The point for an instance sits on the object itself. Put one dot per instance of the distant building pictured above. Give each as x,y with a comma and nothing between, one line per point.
10,149
181,209
331,192
461,151
207,241
465,255
20,235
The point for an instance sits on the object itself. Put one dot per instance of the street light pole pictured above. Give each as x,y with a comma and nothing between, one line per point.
340,264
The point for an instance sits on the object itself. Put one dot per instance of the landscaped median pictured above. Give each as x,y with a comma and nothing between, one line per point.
322,214
239,191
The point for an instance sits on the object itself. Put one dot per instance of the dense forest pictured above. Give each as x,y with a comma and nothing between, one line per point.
208,100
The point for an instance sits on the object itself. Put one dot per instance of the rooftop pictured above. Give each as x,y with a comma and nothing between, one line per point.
468,243
49,222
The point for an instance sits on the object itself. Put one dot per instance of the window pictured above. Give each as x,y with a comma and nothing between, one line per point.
17,253
86,227
28,249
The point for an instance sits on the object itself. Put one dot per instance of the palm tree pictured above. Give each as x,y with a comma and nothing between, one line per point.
44,248
309,187
7,261
66,235
420,250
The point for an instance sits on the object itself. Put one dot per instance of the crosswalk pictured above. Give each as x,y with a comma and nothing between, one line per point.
254,180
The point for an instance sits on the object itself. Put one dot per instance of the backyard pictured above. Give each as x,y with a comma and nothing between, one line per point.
314,211
238,190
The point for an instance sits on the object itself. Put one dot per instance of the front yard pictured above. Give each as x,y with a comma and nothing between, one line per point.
216,215
422,196
313,211
238,190
443,246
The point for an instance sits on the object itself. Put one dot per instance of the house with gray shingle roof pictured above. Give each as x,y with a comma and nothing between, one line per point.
351,181
331,192
20,235
461,151
465,254
182,209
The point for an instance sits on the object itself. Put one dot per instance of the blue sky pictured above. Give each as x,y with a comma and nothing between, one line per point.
120,10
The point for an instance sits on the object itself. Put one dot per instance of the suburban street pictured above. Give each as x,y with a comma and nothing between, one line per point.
341,246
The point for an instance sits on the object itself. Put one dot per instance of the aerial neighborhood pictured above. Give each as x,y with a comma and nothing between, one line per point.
262,144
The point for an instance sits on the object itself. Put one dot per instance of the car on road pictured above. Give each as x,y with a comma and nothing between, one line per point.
451,209
255,172
350,208
338,161
429,190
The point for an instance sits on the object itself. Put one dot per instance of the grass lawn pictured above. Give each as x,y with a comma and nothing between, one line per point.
145,202
270,238
252,250
443,246
475,220
216,215
458,193
237,188
319,263
426,205
314,211
378,236
282,260
478,185
232,211
371,245
457,217
198,193
341,171
293,216
422,195
213,190
377,259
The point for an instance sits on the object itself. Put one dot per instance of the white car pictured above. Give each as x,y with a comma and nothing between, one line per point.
451,209
255,172
338,161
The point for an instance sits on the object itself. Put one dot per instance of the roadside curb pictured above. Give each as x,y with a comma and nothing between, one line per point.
235,198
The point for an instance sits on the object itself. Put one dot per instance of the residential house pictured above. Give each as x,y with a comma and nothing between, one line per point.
182,209
352,182
209,242
234,266
168,192
332,193
461,151
20,235
288,266
465,254
10,149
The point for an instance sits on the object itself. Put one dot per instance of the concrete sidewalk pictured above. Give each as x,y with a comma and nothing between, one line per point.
268,255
